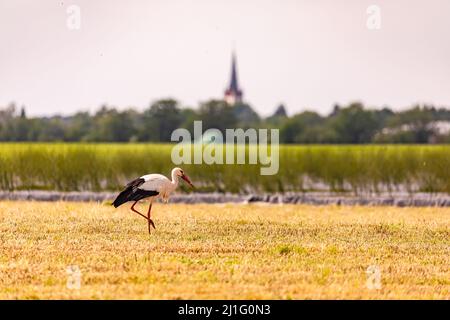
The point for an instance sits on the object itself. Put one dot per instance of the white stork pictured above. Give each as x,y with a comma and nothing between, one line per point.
150,186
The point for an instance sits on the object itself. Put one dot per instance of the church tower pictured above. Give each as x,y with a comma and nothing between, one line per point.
233,94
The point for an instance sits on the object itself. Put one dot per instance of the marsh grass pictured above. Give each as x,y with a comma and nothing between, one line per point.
96,167
223,252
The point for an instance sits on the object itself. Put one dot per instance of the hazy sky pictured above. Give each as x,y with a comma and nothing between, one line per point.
306,54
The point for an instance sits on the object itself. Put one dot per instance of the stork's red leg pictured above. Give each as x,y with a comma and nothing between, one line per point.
132,209
150,221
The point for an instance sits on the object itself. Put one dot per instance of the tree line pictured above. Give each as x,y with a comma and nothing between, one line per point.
350,124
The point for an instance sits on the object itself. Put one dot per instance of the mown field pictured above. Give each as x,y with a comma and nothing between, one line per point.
223,251
374,168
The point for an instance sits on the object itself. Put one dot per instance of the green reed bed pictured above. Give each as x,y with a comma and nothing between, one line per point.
97,167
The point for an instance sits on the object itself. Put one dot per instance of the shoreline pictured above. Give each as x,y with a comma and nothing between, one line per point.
399,199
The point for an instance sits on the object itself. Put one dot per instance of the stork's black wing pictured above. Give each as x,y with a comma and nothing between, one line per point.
133,193
135,183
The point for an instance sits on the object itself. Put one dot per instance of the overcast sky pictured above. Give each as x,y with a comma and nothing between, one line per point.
306,54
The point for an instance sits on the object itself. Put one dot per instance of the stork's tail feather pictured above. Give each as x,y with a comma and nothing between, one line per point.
123,197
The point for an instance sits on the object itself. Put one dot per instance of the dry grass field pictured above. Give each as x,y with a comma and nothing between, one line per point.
223,251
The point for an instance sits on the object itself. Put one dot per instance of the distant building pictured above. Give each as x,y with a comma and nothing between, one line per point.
280,112
233,94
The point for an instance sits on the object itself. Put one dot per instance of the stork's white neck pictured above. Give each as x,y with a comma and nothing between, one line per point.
175,179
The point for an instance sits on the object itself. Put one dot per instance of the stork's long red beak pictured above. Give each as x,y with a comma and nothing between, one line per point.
186,178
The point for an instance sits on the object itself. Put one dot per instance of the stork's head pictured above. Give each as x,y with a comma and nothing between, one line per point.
178,172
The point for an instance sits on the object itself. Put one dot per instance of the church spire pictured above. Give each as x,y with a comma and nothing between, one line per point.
234,81
233,94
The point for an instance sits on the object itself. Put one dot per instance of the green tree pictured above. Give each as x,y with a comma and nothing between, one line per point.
51,130
111,125
217,114
79,127
299,128
160,120
416,121
353,124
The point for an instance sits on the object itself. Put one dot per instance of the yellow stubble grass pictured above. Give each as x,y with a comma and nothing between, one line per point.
223,251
